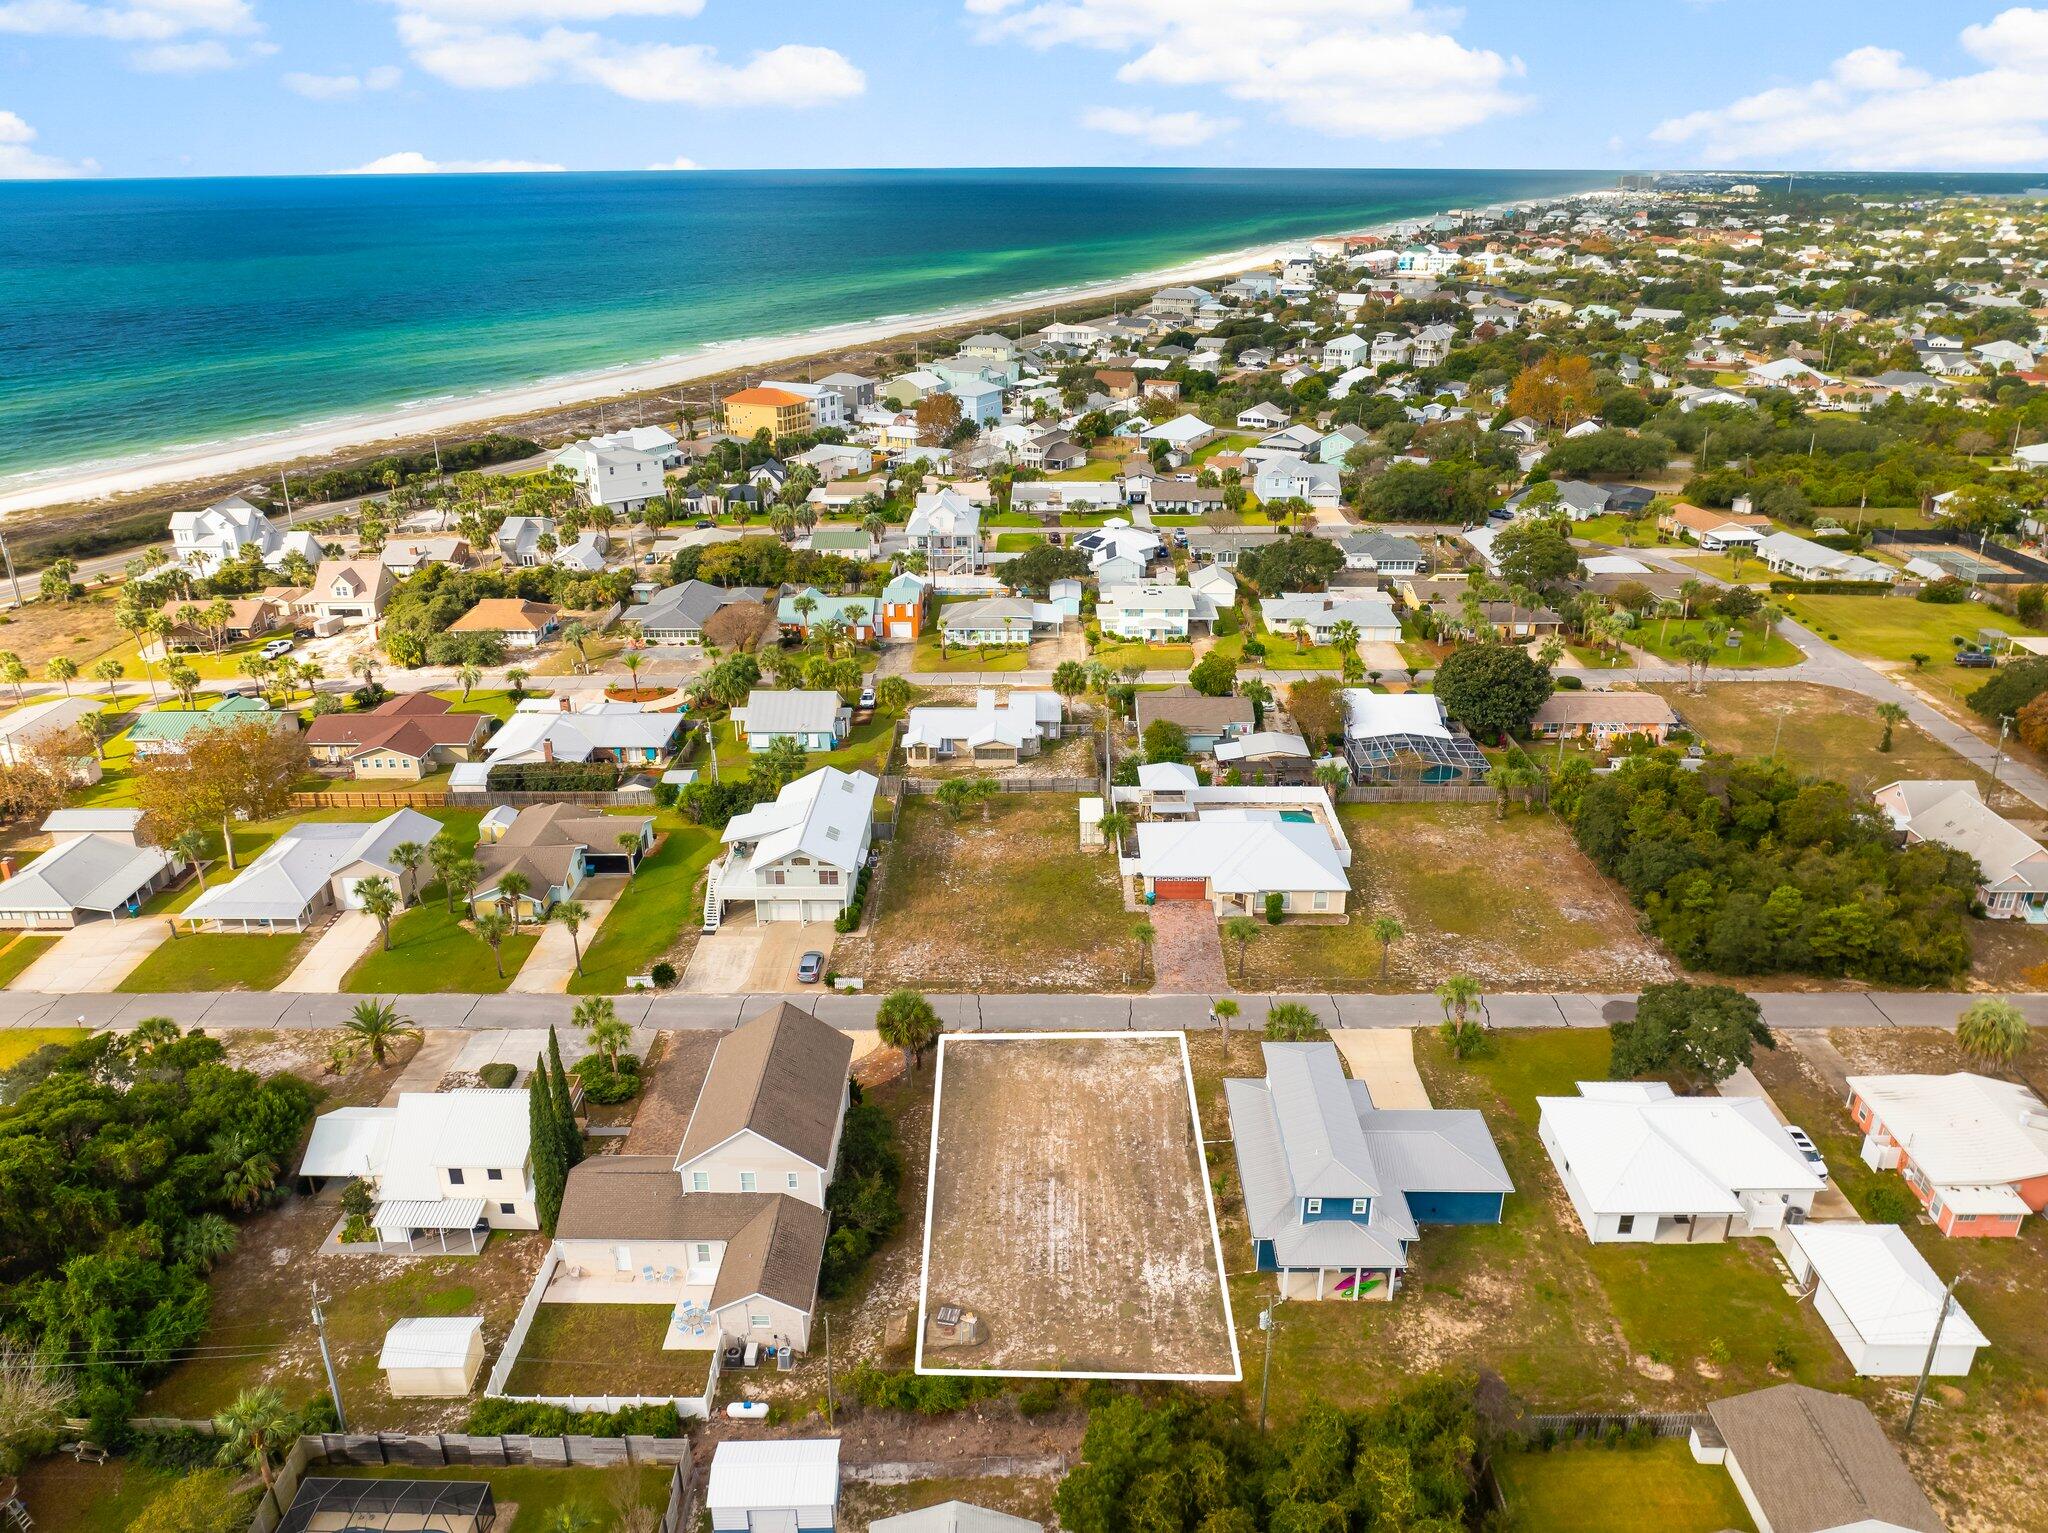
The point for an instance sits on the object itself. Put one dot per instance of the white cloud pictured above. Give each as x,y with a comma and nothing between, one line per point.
343,87
1380,69
19,160
680,162
410,162
446,43
1166,130
183,58
136,21
1874,111
506,12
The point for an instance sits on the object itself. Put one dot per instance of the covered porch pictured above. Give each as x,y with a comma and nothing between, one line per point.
438,1226
1338,1283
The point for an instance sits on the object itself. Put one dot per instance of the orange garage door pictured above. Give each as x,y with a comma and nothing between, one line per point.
1181,888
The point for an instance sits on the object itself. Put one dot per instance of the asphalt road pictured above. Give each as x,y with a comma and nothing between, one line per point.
961,1013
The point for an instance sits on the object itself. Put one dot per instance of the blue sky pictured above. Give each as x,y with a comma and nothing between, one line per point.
237,87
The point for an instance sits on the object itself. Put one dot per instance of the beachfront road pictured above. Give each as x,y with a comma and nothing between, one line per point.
964,1013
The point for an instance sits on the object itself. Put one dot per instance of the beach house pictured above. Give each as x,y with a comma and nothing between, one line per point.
2012,866
1972,1149
797,857
554,849
816,720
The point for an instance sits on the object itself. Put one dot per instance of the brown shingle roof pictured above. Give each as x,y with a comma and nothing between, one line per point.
415,721
505,614
1605,708
1191,710
773,1243
1815,1461
781,1075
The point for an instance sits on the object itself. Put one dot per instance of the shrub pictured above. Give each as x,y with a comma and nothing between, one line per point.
849,918
357,1200
1039,1397
553,777
602,1085
1276,907
864,1200
498,1074
356,1229
1889,1203
510,1418
928,1395
1945,592
663,974
181,1449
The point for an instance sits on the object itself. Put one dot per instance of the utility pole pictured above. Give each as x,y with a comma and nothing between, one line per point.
1927,1366
327,1361
284,483
828,1370
1998,757
1268,1322
13,579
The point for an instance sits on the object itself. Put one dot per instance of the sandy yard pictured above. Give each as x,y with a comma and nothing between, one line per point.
1084,1238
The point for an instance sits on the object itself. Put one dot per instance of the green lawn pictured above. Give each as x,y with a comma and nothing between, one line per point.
1018,542
1234,441
996,657
1094,470
1748,571
1283,653
866,748
1588,1489
432,950
1616,533
498,702
1898,627
541,1495
218,961
1760,646
594,1349
67,1497
17,1043
1118,653
24,950
661,901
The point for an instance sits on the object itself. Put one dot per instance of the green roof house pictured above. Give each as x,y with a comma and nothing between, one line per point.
166,729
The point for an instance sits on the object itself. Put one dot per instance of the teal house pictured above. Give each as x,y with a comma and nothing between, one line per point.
1336,1189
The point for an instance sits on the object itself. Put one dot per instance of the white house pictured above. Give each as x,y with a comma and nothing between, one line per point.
99,870
51,720
1370,612
799,856
613,473
1640,1163
1786,553
988,730
2013,865
946,528
439,1163
203,541
774,1487
1183,434
1261,417
1232,847
310,868
1152,613
816,720
1881,1299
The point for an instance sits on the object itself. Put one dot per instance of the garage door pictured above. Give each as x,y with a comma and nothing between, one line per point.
1181,888
821,910
782,910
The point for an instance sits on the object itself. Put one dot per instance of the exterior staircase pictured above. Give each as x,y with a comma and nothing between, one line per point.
714,907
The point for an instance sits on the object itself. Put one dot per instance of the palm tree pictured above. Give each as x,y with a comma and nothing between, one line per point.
469,674
1223,1009
510,887
380,900
906,1021
494,928
603,1029
254,1429
1291,1022
110,671
1334,777
1142,933
407,857
375,1028
1241,930
1892,715
184,681
572,914
1386,931
13,671
63,669
1459,996
191,845
516,679
1992,1030
1115,826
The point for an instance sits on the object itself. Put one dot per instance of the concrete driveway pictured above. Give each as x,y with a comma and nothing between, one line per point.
1830,1202
95,958
322,970
1384,1058
548,967
744,956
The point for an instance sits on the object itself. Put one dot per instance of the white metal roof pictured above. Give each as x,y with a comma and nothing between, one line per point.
1242,856
97,873
1961,1129
1883,1284
769,712
75,821
293,869
1672,1155
801,1472
1368,713
476,1126
823,814
350,1141
954,1517
432,1341
1020,717
1167,776
398,1217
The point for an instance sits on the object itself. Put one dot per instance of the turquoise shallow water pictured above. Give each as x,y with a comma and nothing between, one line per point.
144,315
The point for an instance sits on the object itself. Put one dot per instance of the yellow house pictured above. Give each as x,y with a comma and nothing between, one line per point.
778,411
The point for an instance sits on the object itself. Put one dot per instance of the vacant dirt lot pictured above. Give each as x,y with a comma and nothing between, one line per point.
1082,1236
1511,902
1009,902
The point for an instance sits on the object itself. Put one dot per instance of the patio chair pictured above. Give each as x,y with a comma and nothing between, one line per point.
647,1273
669,1275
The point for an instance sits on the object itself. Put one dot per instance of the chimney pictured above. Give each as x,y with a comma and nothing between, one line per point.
6,869
547,749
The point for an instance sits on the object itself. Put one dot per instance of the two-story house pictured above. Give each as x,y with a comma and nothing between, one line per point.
903,606
816,720
348,591
799,856
730,1228
1336,1189
202,541
445,1167
945,527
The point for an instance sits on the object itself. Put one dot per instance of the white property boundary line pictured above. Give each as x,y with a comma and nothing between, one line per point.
931,1183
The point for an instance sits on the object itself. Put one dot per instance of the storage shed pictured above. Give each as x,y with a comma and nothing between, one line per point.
775,1487
432,1358
1881,1300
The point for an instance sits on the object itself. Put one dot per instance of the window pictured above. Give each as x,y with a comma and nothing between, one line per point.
1322,900
747,1181
790,1181
1314,1205
828,876
494,1176
703,1253
1360,1205
454,1176
777,876
700,1181
1625,1225
760,1322
504,1208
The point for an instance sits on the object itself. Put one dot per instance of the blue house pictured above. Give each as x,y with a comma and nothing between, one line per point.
1336,1189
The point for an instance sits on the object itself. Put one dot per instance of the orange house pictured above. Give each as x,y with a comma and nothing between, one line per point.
903,607
777,411
1973,1150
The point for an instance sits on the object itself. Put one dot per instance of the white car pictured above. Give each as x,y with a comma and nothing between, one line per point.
1805,1146
277,647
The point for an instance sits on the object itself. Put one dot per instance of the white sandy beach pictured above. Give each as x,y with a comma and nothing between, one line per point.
215,461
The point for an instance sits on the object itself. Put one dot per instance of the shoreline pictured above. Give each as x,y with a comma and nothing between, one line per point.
97,483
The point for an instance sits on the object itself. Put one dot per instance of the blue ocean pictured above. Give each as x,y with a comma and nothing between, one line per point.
144,315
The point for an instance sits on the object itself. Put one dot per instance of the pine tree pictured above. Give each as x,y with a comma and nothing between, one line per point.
565,1112
544,1133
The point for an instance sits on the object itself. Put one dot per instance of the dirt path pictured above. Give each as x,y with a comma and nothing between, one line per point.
1187,951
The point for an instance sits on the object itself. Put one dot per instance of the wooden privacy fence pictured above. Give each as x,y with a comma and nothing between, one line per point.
898,786
391,798
491,798
311,1454
1580,1424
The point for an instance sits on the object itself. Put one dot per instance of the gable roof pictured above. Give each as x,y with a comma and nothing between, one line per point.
1646,1151
1882,1285
505,614
954,1517
823,814
1245,852
293,869
1816,1461
781,1075
770,712
92,872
